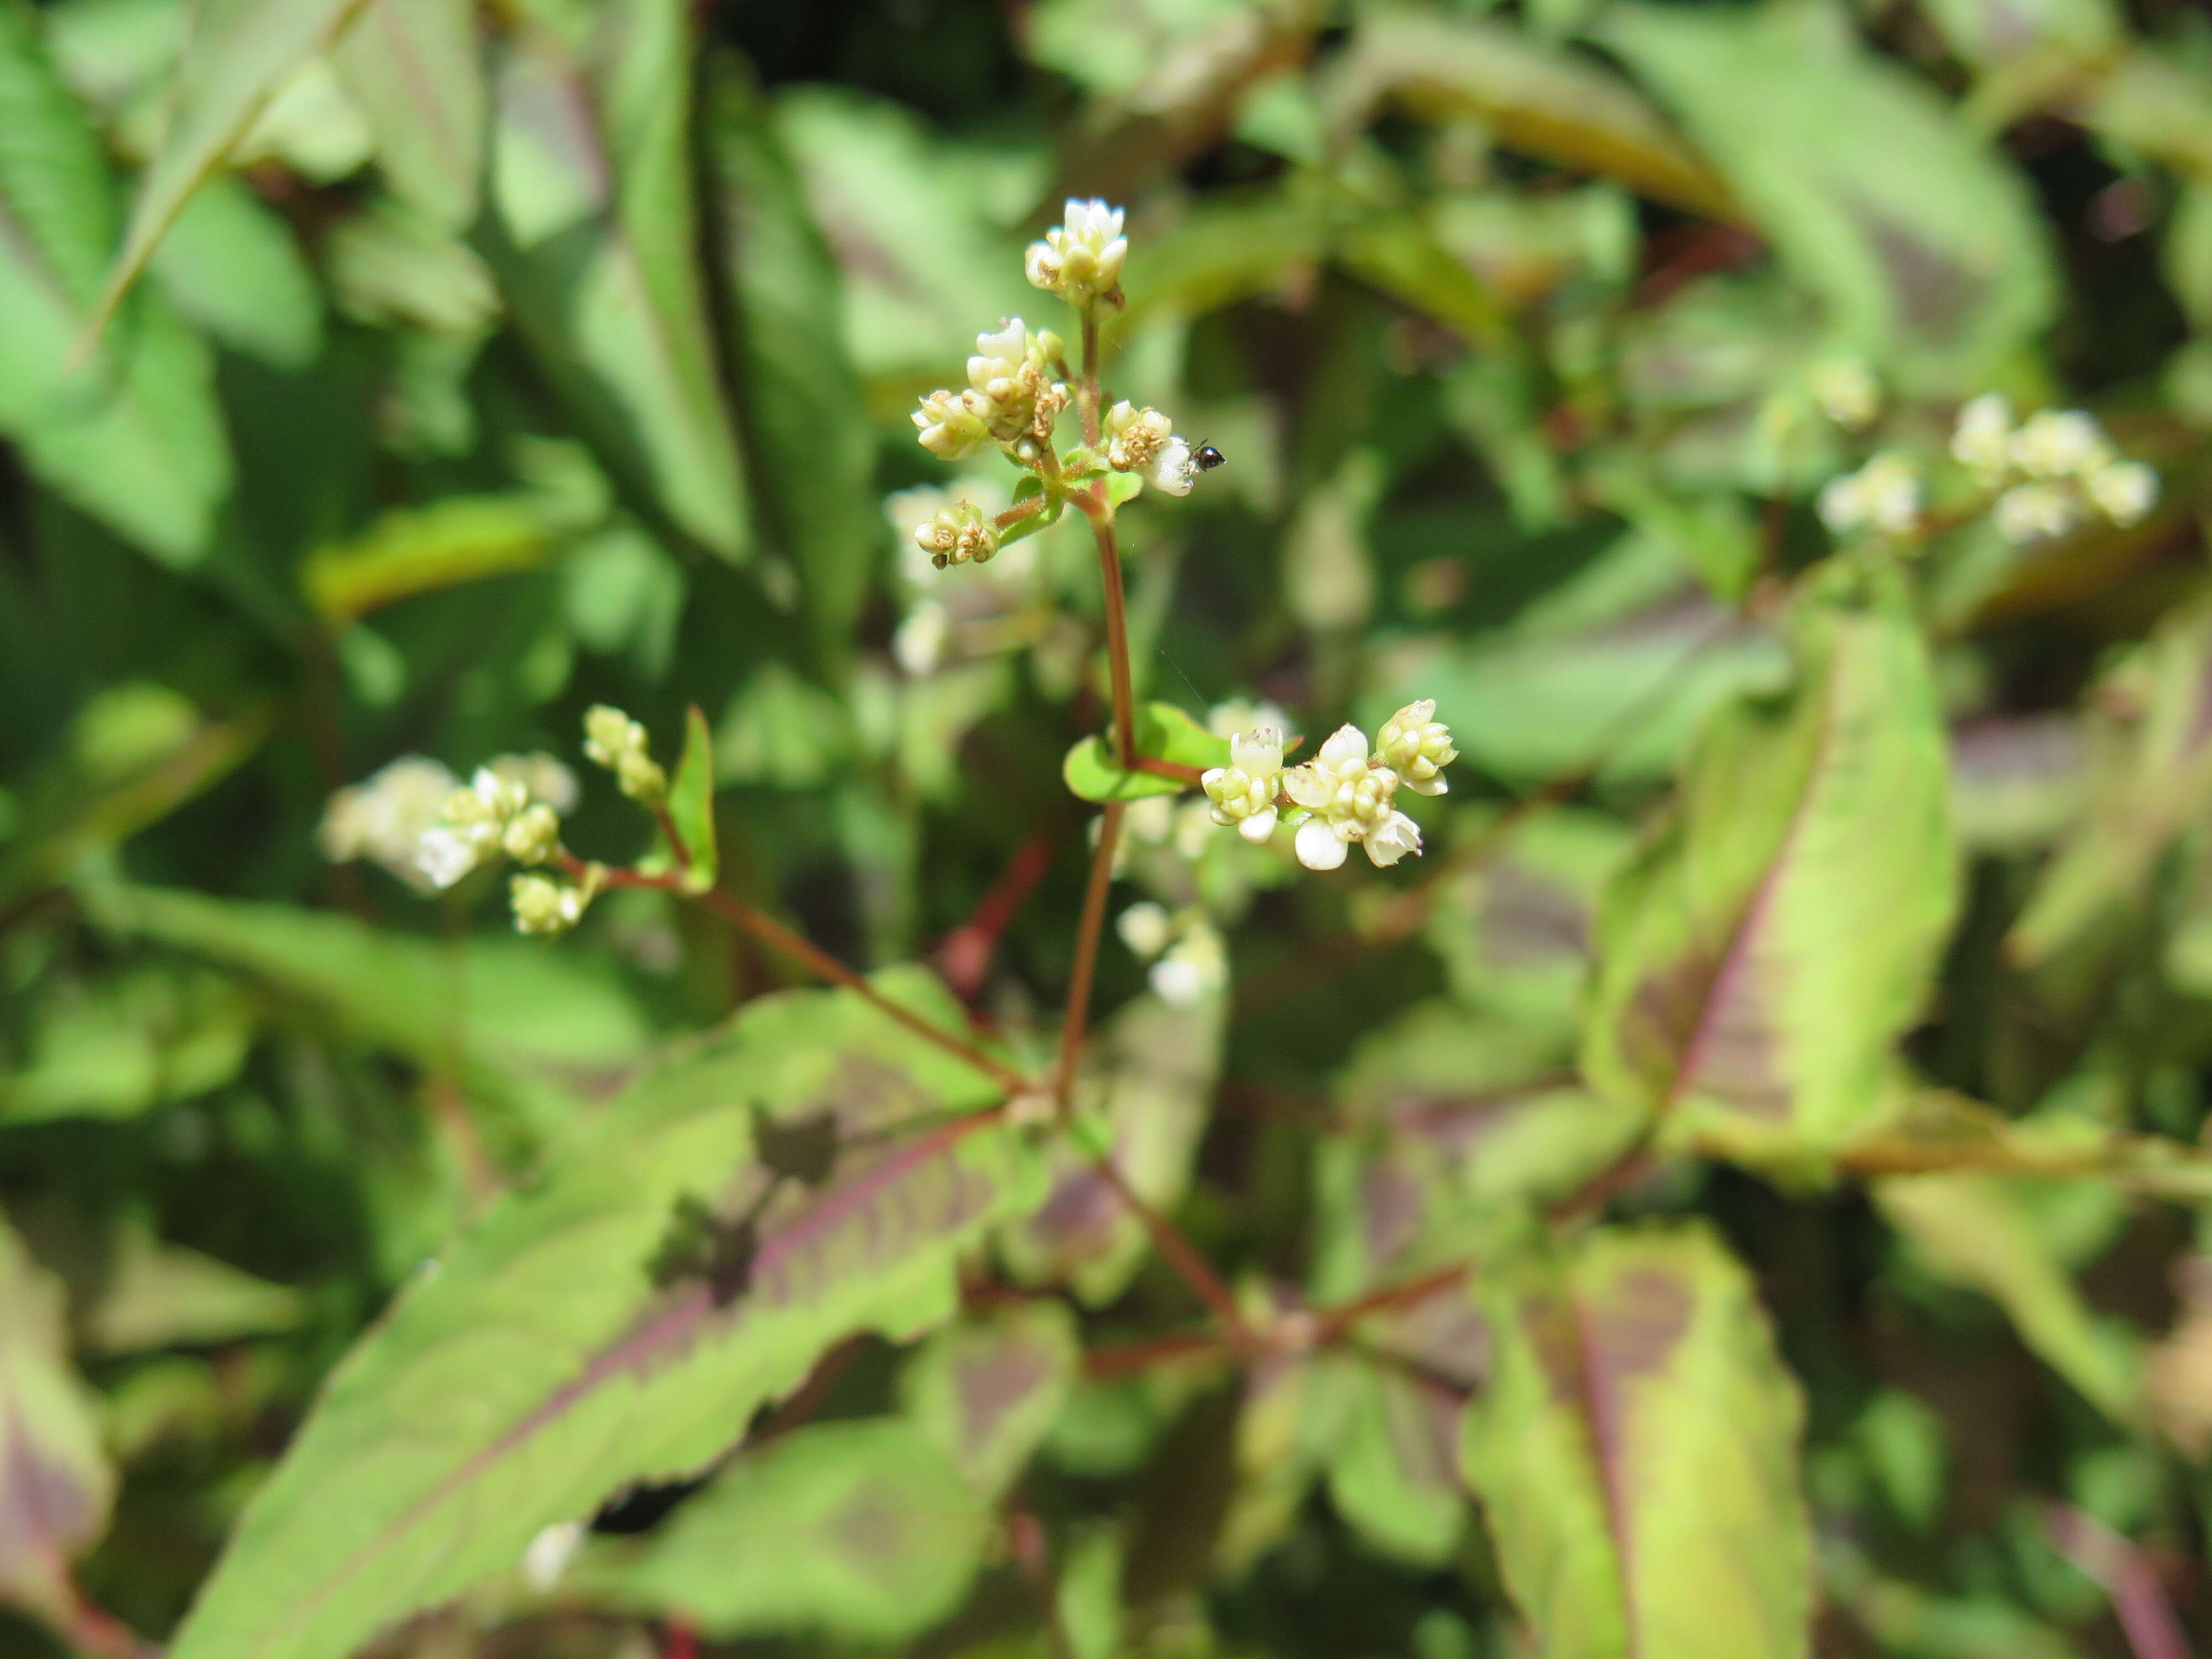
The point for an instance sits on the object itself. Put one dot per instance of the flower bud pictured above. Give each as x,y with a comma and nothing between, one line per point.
957,534
948,428
1847,392
2035,511
1417,746
533,835
1242,793
1135,437
1081,260
2123,492
1982,440
542,905
2059,443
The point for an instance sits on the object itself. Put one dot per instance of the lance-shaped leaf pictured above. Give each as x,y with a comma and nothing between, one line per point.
806,410
413,70
691,808
864,1531
1919,239
132,434
814,1174
1759,955
2150,736
238,55
1636,1454
596,243
55,1483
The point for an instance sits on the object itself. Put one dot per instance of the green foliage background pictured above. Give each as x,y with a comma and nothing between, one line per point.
1741,1195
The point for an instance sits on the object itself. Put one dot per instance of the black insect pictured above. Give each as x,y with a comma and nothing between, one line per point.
1206,457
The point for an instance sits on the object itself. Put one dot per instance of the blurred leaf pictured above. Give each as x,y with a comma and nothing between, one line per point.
1636,1455
1541,100
1920,240
229,264
779,730
1934,1130
1994,32
598,249
1290,1425
597,1343
1738,990
410,550
863,1530
2017,783
2150,778
55,1482
987,1388
126,1043
1166,733
1396,1475
413,69
158,1295
238,54
1971,1229
807,411
132,434
1227,248
1403,258
1159,1066
691,803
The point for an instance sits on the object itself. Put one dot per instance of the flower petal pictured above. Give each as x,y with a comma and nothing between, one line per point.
1317,846
1346,746
1261,825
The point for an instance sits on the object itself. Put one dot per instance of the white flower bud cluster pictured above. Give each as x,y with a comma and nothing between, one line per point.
1343,796
1189,959
958,534
1846,392
542,905
614,740
1011,395
496,815
1081,260
1884,495
2054,468
384,818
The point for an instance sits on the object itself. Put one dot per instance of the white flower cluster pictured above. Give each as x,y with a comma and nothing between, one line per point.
1343,796
1011,395
2054,468
542,905
1144,441
957,534
1190,960
497,814
1846,392
614,740
1883,495
1081,260
384,818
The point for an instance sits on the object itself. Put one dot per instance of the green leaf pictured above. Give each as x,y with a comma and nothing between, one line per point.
2150,780
133,434
780,731
157,1295
1739,988
807,411
1537,99
862,1530
622,1317
413,69
1973,1231
55,1481
987,1389
238,54
691,801
1164,732
1402,256
410,550
596,243
230,265
518,1025
119,1045
1396,1475
1921,242
1636,1454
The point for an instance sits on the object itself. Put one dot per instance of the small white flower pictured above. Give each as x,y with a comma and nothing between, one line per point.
385,817
1174,471
948,428
542,905
1982,440
1884,495
1847,392
1145,927
1243,793
1194,967
2060,443
1417,746
1081,260
919,644
533,835
448,852
541,777
548,1554
1318,845
2123,492
2035,511
1135,437
1392,839
957,535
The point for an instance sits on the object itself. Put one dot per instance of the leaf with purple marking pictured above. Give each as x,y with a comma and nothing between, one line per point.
987,1388
1636,1454
55,1481
566,1347
1761,954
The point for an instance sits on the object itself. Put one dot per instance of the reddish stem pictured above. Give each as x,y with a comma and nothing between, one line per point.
682,1640
1160,768
1192,1269
965,955
1077,1011
1125,1358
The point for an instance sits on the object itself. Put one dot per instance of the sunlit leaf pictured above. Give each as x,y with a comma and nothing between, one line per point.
410,550
158,1295
230,265
131,434
55,1481
1164,733
622,1318
1738,989
1636,1454
413,69
691,801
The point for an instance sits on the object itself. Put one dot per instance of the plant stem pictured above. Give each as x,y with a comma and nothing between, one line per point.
1117,630
1192,1269
1086,391
1086,952
818,962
